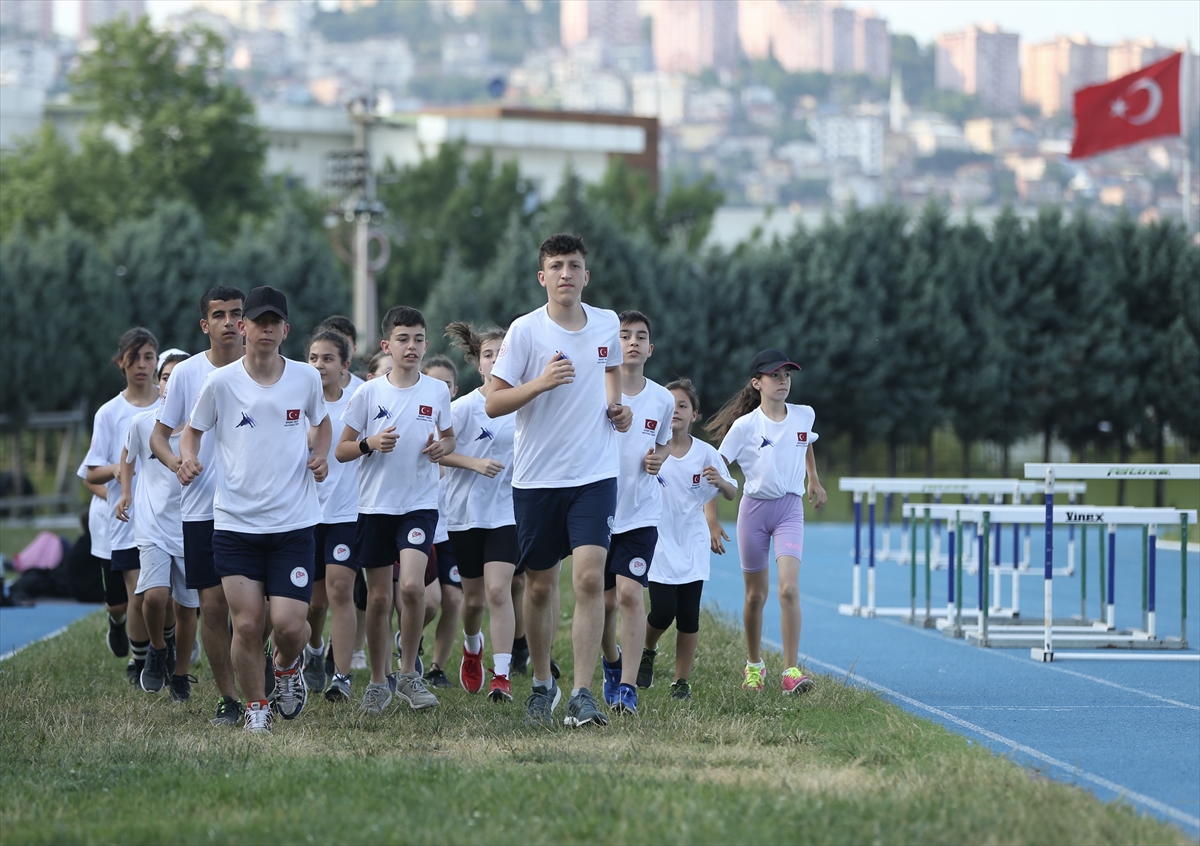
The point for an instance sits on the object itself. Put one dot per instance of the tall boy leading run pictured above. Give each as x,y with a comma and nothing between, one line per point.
259,411
559,371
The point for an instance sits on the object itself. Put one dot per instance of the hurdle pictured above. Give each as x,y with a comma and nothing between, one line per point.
868,488
1051,473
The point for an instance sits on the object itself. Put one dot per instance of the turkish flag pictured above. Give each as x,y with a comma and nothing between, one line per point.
1144,104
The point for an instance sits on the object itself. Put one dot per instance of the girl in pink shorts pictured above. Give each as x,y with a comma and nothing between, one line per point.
771,440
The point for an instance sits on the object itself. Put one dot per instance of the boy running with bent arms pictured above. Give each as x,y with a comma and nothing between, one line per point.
558,369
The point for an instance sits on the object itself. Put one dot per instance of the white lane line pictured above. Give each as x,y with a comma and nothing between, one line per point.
1122,791
10,653
1104,707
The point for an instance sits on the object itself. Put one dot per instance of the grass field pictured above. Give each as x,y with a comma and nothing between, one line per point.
88,759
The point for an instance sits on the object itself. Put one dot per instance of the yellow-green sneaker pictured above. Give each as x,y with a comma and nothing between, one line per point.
754,678
795,681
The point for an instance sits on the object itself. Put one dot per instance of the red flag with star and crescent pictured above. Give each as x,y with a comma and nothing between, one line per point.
1141,105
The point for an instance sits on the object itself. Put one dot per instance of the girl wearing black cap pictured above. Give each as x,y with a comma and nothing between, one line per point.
771,440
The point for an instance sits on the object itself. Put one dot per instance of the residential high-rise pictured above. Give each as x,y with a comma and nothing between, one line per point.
28,17
693,35
983,61
611,21
872,45
1055,70
95,12
815,35
1128,56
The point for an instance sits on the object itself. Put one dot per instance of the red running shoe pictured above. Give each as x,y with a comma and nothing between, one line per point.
471,671
501,689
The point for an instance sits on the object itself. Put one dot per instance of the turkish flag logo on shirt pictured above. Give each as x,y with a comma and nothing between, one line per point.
426,411
602,352
651,425
293,414
1141,105
803,437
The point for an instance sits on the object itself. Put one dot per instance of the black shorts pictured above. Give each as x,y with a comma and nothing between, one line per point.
475,547
630,555
378,538
447,564
126,559
553,522
282,561
333,544
115,592
678,603
199,570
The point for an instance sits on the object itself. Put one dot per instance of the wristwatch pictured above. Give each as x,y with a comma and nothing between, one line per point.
363,448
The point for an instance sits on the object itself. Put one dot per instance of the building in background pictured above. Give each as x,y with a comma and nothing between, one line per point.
694,35
812,35
1055,70
27,17
983,61
850,138
92,13
1128,56
613,22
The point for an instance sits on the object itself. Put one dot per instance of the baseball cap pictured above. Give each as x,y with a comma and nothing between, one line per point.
768,361
261,300
165,354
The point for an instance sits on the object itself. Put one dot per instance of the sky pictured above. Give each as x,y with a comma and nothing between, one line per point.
1169,22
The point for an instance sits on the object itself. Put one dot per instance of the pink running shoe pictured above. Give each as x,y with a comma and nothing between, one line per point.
754,678
795,681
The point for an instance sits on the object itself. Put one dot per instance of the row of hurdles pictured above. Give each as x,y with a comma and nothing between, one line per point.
973,547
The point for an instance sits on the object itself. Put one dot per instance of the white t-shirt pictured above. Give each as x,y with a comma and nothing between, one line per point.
338,494
441,533
155,511
682,553
639,501
474,501
108,437
196,501
97,521
402,480
261,433
771,454
563,437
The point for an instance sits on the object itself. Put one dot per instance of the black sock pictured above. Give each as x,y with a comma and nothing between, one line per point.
169,634
139,648
520,643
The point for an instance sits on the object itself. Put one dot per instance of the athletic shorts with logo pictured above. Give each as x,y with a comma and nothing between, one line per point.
333,544
475,547
551,522
379,538
630,555
282,561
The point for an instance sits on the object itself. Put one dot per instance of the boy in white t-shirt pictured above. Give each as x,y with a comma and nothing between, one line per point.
399,427
639,506
559,370
259,410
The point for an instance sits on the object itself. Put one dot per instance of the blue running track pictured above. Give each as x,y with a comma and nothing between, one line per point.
19,627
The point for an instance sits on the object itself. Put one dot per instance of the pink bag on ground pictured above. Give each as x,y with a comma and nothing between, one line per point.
45,552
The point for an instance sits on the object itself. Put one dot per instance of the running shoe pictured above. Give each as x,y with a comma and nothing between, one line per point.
539,707
196,651
339,689
555,671
133,672
171,655
258,718
645,676
436,678
501,688
626,700
269,670
420,666
330,665
375,700
358,660
290,690
314,669
612,679
520,659
582,709
797,682
411,688
181,687
229,712
681,690
754,678
117,638
470,672
154,674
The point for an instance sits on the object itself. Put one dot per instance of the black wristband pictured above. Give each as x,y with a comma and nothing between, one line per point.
364,448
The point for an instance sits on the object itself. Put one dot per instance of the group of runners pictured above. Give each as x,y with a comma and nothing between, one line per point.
262,496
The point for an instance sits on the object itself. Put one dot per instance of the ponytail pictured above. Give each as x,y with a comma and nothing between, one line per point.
742,403
464,336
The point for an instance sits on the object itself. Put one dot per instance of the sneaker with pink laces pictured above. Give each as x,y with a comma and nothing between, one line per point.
471,671
754,678
794,681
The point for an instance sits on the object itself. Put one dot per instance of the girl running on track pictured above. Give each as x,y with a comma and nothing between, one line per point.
771,440
691,477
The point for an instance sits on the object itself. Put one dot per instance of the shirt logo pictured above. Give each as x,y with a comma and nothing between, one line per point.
485,434
695,478
247,420
802,437
766,442
602,352
425,412
293,417
661,481
651,425
383,413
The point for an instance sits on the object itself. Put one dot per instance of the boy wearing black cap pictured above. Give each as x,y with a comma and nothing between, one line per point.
260,410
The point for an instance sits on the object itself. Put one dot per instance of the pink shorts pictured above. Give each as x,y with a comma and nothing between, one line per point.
760,520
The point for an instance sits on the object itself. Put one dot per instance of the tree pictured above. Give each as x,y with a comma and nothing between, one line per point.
683,215
193,135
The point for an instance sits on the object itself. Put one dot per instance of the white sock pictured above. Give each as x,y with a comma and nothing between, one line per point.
315,650
547,684
761,665
474,642
502,660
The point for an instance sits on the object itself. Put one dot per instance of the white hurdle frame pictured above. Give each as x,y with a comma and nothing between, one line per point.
1050,473
868,488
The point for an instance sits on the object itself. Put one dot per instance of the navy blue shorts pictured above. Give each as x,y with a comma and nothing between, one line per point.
630,556
447,565
282,561
378,538
475,547
199,570
126,559
552,522
334,544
